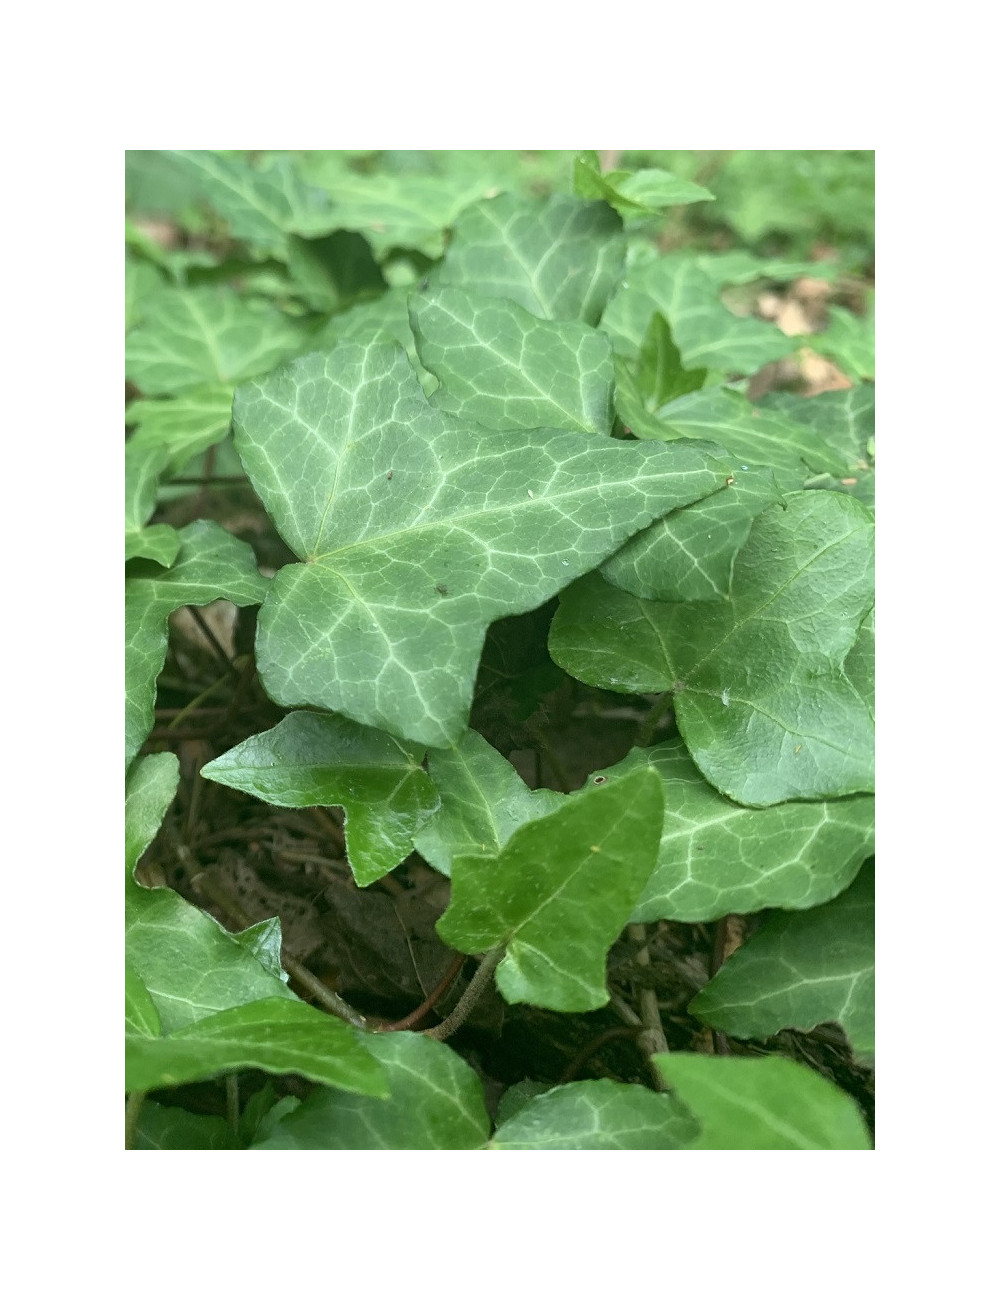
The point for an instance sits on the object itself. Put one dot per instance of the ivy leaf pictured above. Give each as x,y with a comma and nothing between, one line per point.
849,341
559,893
690,553
210,564
718,857
483,801
761,695
644,193
558,258
753,435
331,272
844,419
183,427
416,533
188,338
262,205
318,760
502,367
705,331
657,378
276,1034
150,786
435,1104
159,542
141,1016
802,969
597,1115
169,1128
763,1104
263,941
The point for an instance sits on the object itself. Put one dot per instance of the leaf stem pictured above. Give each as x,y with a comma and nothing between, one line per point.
233,1101
652,1039
133,1105
196,702
435,995
652,720
465,1004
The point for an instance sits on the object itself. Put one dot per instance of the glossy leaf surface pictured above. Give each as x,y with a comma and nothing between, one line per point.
559,893
802,969
763,1104
417,533
718,857
435,1104
597,1115
210,564
503,368
762,699
559,258
483,801
312,759
277,1035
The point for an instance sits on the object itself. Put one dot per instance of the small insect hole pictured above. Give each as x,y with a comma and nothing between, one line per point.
599,780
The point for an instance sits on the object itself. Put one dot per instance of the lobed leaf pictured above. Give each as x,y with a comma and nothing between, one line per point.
718,857
761,694
505,369
483,801
189,338
802,969
559,893
558,258
417,533
210,564
312,759
763,1104
182,427
597,1115
643,193
435,1103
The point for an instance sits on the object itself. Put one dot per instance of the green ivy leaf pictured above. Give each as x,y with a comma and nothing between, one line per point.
849,341
802,969
141,1016
763,1104
182,427
319,760
558,258
718,857
645,193
330,273
188,338
657,378
276,1034
761,695
150,786
262,205
210,564
690,553
416,534
483,801
844,419
502,367
169,1128
263,941
705,331
160,542
753,435
559,893
435,1104
597,1115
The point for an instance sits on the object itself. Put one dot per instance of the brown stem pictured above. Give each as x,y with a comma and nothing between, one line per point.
465,1004
431,1000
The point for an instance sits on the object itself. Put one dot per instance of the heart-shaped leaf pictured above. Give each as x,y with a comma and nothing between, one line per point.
210,564
417,533
505,369
597,1115
763,1104
802,969
435,1104
761,694
718,857
558,257
559,893
312,759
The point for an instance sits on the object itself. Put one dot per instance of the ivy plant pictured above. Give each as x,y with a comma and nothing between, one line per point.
499,658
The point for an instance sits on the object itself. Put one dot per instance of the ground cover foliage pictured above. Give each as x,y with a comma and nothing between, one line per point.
499,650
